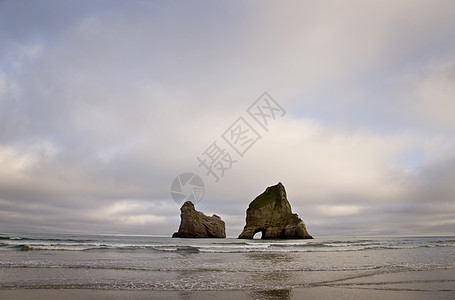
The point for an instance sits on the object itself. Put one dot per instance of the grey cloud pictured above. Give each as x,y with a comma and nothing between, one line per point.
102,103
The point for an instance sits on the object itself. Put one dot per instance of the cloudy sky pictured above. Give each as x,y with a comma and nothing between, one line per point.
104,103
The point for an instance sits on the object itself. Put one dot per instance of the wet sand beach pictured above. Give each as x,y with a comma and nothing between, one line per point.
434,284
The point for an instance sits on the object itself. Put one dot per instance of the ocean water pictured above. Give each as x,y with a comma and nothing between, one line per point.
52,261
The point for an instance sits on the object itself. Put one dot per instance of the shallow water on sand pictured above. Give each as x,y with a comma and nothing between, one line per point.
45,261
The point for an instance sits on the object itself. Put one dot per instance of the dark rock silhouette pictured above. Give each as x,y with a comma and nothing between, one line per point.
194,224
271,214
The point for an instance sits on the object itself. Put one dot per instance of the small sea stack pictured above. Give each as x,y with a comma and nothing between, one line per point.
195,224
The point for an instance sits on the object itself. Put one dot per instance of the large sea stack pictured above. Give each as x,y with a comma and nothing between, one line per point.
271,214
194,224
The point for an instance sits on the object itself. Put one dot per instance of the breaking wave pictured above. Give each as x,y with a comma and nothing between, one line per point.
217,246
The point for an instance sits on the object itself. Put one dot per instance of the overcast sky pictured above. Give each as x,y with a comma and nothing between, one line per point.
104,103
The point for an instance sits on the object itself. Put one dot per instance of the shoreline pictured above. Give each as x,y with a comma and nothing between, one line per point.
429,284
322,292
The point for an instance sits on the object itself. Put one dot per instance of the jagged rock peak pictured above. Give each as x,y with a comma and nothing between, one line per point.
271,214
195,224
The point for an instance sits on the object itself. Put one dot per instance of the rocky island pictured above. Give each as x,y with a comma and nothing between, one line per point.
271,214
195,224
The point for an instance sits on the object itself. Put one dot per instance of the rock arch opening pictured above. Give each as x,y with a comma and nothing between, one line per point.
259,234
